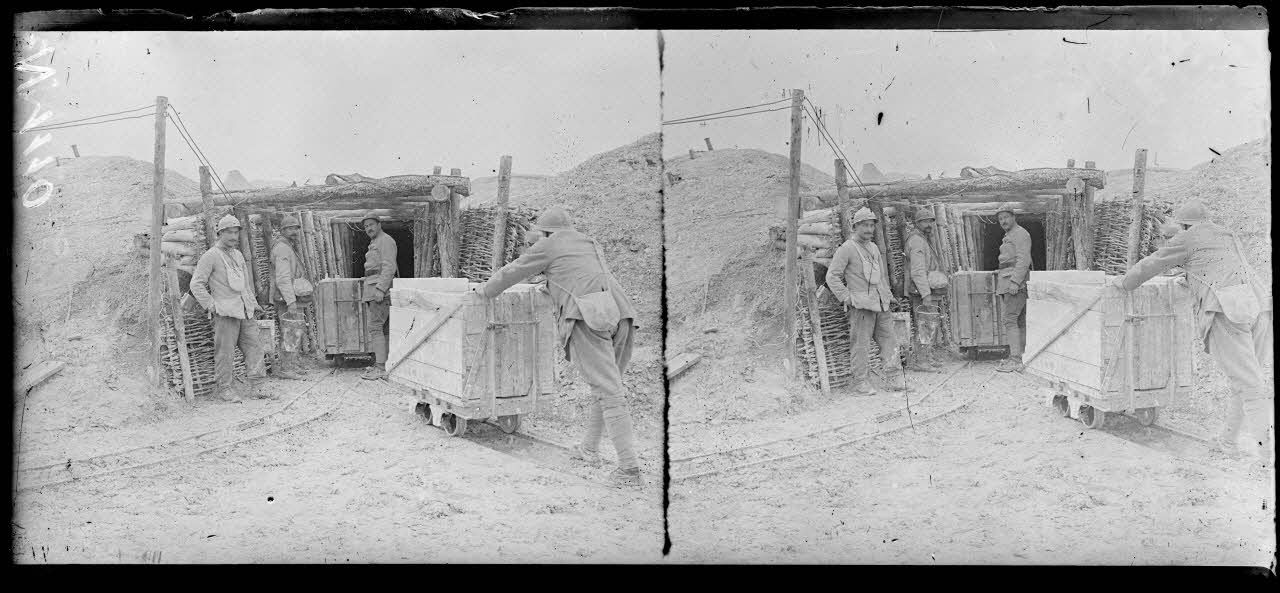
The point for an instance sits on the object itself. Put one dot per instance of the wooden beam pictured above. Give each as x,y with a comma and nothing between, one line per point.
681,363
208,211
1027,180
75,150
793,219
246,244
1136,206
38,373
157,223
180,336
815,318
691,154
500,218
708,141
842,201
882,241
1087,207
1079,227
396,190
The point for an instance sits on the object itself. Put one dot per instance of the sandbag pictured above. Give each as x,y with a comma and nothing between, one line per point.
177,249
183,236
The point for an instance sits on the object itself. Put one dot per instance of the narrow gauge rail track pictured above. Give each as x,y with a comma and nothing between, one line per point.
549,454
285,418
1189,447
739,458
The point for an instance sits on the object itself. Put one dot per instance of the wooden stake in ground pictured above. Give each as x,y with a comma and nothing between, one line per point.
500,215
1135,212
75,151
180,336
815,318
708,141
793,220
157,224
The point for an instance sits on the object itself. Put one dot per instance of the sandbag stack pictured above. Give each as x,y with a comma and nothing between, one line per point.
183,242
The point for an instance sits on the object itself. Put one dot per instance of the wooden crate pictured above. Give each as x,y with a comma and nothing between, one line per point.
342,317
486,350
975,310
1128,350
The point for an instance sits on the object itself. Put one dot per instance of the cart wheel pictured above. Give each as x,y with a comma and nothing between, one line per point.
423,409
336,359
1092,417
1062,406
1147,416
509,424
454,425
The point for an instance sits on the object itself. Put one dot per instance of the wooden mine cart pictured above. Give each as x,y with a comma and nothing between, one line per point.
1103,349
469,358
343,320
975,312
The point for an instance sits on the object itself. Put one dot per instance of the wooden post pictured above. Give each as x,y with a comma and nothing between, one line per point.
1079,227
157,228
180,336
815,318
1136,206
333,250
455,212
206,191
882,239
708,141
76,151
267,237
1087,211
793,220
842,201
1071,163
246,244
500,218
902,215
691,154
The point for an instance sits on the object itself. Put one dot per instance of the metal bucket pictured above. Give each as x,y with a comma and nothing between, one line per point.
902,328
267,335
292,328
928,320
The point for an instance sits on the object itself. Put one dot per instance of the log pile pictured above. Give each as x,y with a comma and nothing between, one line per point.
476,249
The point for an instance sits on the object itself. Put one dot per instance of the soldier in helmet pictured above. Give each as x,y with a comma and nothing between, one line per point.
924,269
597,328
379,269
1233,308
223,284
1011,285
289,281
856,278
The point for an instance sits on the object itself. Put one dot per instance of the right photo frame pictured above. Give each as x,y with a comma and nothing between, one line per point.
969,296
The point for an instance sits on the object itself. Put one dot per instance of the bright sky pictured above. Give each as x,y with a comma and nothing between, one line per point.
298,105
1014,100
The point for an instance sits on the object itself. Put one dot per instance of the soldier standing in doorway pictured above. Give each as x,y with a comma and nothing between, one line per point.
289,289
926,286
856,278
1011,285
379,269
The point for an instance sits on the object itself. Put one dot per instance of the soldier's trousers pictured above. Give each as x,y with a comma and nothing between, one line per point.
229,332
379,318
868,325
1013,318
1239,350
601,357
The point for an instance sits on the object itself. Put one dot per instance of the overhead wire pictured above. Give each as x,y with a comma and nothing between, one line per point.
63,127
63,123
694,121
690,117
840,153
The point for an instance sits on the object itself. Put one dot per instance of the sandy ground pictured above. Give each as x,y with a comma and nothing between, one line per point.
369,483
1003,480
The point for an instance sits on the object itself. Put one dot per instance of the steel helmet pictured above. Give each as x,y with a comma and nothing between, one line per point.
925,213
553,219
862,214
1007,207
288,221
1191,212
367,215
228,222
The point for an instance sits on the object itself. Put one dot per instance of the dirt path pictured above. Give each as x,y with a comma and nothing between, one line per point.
368,483
1003,480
